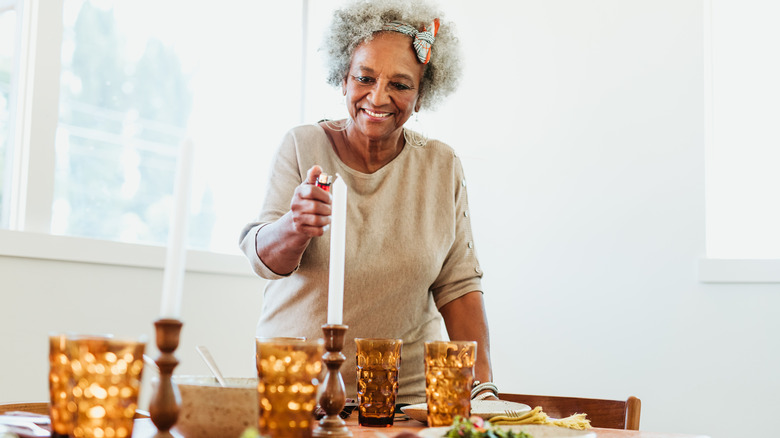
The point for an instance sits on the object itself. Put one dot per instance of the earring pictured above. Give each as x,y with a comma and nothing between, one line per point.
415,138
336,126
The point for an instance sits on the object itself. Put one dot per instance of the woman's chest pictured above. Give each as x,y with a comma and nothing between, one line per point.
401,236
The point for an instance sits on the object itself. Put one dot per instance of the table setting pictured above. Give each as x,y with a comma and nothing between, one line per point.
94,383
94,380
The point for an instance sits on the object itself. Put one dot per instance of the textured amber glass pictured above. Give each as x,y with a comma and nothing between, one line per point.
449,375
106,376
288,372
62,408
378,362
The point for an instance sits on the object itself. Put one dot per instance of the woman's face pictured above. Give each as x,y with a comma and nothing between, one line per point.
382,84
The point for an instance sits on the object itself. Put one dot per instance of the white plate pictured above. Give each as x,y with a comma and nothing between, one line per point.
535,430
486,409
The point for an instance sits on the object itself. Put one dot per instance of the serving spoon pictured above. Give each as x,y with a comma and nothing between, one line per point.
206,355
151,363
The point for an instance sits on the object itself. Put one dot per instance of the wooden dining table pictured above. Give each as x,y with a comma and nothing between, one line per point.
145,429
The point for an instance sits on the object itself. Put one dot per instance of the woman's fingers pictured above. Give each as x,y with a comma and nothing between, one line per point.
309,223
310,205
312,192
311,231
312,174
313,212
309,189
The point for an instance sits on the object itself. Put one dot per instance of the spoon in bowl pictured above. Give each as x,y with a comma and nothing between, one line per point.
150,362
206,355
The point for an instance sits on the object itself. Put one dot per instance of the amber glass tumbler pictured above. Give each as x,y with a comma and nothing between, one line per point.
449,375
288,372
106,374
378,362
62,408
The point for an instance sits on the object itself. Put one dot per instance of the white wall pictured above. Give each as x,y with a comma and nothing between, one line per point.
44,296
581,129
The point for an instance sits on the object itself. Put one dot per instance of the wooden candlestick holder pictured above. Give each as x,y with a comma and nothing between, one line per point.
334,396
164,405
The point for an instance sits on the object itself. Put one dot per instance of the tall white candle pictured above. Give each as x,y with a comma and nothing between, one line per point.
338,233
175,259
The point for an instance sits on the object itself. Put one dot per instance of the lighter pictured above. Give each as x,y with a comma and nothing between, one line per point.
324,181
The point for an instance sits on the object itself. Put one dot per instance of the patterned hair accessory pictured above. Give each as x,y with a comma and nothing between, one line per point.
421,40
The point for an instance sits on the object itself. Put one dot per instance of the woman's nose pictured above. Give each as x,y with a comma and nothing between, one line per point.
379,95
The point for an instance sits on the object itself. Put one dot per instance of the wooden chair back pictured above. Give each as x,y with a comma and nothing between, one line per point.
613,414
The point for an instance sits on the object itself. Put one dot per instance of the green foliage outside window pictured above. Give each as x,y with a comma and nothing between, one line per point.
125,121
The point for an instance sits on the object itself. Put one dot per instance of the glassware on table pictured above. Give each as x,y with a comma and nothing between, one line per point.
62,408
288,372
378,362
105,375
449,375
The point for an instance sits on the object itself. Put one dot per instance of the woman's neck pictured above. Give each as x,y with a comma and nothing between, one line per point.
363,154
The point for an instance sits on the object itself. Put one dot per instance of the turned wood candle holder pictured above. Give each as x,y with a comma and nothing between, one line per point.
164,405
334,396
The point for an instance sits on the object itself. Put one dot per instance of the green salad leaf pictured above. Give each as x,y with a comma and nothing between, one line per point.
476,427
251,432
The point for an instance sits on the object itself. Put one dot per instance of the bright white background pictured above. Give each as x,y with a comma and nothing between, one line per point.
582,130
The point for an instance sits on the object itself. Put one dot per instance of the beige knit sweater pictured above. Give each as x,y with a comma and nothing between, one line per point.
409,251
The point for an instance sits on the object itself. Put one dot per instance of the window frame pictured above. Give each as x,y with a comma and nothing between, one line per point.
31,190
739,271
37,91
8,170
717,270
25,244
32,180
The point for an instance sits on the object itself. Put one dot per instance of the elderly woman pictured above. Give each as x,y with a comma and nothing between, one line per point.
410,257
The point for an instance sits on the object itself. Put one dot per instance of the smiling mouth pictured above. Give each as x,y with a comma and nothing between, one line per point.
376,114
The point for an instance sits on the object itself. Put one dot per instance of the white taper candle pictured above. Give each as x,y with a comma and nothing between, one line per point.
175,259
338,233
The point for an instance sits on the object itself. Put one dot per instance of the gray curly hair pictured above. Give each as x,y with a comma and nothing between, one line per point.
358,21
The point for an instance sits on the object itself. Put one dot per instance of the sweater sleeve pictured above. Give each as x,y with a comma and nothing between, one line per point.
460,273
285,176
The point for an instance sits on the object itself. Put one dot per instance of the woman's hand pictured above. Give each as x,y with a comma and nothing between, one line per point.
311,206
280,245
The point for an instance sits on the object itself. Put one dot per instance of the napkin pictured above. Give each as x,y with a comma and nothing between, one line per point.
24,424
536,416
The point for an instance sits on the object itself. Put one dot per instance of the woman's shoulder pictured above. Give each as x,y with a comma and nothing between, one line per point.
306,132
431,147
303,139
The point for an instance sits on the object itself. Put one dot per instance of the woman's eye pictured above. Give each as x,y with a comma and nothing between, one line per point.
400,86
363,79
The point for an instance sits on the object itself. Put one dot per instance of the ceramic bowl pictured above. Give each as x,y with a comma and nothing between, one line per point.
211,411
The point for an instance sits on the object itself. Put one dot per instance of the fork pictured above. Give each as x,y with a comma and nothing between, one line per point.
514,414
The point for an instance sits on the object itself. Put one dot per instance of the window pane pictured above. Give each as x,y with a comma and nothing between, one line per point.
743,185
134,87
8,47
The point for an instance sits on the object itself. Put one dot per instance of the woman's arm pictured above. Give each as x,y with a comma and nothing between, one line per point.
280,245
466,320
